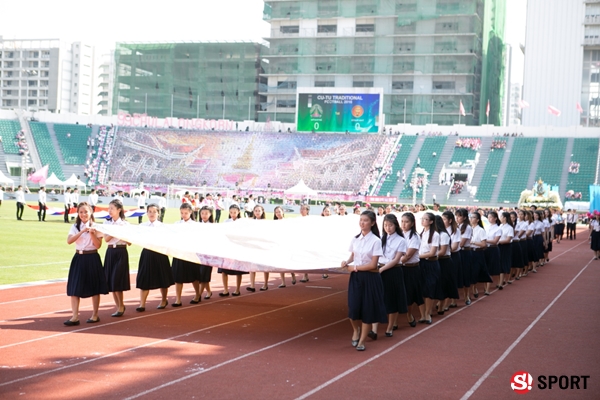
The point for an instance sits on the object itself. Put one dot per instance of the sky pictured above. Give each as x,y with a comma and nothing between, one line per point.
110,21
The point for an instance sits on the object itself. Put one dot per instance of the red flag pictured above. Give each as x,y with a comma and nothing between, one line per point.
461,110
579,108
523,104
487,110
554,111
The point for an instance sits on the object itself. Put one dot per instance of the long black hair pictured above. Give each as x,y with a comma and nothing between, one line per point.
465,214
373,218
495,214
432,227
450,217
237,208
206,208
411,218
506,216
391,218
187,206
479,222
78,220
275,215
262,216
119,206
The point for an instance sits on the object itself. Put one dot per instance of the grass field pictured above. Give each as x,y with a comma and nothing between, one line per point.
33,251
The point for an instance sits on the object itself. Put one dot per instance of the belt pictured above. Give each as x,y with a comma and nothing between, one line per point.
492,245
411,265
86,251
443,257
115,246
430,259
539,234
454,252
477,249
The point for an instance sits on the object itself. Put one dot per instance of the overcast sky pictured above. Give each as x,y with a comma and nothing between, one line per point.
105,22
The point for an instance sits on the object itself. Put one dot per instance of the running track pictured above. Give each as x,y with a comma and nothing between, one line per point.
295,343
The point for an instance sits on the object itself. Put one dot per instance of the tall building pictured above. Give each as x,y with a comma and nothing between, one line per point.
427,55
555,73
106,77
188,80
46,74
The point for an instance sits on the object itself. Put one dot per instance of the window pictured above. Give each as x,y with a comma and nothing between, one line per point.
362,83
362,28
45,74
286,103
402,85
289,29
33,93
32,83
287,85
43,102
446,27
325,84
364,46
323,65
402,6
32,102
327,7
44,83
443,85
329,29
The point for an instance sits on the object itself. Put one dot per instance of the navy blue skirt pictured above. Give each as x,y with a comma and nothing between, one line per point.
365,298
517,256
466,268
185,271
531,253
448,279
413,283
205,273
595,244
116,269
559,229
538,245
457,265
230,272
492,260
506,260
394,293
432,283
154,271
86,276
524,252
479,269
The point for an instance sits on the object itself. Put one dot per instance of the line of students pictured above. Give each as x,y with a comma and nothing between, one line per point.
392,273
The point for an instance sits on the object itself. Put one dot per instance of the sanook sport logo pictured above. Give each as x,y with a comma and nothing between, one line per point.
521,382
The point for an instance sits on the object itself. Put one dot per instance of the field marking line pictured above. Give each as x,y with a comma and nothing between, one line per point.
487,373
32,298
384,352
183,378
173,338
68,262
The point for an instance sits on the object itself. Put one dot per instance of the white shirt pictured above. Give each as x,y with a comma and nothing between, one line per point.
75,197
468,234
479,234
189,221
538,226
84,242
444,241
595,225
493,231
365,248
67,199
506,231
425,247
1,194
162,202
547,224
152,224
120,198
454,237
413,242
394,244
250,207
93,199
114,240
42,197
20,196
141,201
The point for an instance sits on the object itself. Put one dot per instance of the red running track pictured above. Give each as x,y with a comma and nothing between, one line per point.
295,343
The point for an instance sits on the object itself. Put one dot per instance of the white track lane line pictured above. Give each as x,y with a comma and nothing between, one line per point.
375,357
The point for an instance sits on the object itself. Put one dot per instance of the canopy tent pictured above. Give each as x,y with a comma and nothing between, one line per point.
53,181
301,189
5,180
73,181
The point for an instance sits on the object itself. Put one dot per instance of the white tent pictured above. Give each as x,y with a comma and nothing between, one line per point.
53,181
5,180
72,181
301,189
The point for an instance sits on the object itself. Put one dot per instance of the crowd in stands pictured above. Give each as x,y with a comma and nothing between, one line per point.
417,183
21,143
469,143
498,144
573,195
574,168
382,166
100,157
457,187
508,134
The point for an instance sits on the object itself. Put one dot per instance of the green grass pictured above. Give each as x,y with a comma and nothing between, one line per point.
33,251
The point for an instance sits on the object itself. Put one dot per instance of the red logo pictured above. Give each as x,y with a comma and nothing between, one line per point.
357,111
521,382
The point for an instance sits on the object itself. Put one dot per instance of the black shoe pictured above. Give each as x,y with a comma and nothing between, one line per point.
160,307
193,301
251,289
235,294
476,295
325,276
486,293
93,321
262,289
453,305
176,305
413,323
428,321
355,343
440,313
71,323
360,348
395,327
118,314
468,302
140,309
389,334
223,294
208,296
372,335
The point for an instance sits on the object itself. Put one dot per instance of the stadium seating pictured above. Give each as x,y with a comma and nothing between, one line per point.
72,140
462,154
8,131
490,175
431,145
407,143
45,148
516,178
551,161
585,152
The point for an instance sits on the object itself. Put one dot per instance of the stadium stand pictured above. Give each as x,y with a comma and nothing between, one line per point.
551,160
406,145
325,162
8,132
517,172
490,176
585,152
462,154
46,149
72,140
431,145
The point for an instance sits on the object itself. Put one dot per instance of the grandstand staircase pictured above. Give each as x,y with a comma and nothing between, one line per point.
3,166
535,163
408,166
564,178
33,152
502,172
484,154
434,188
